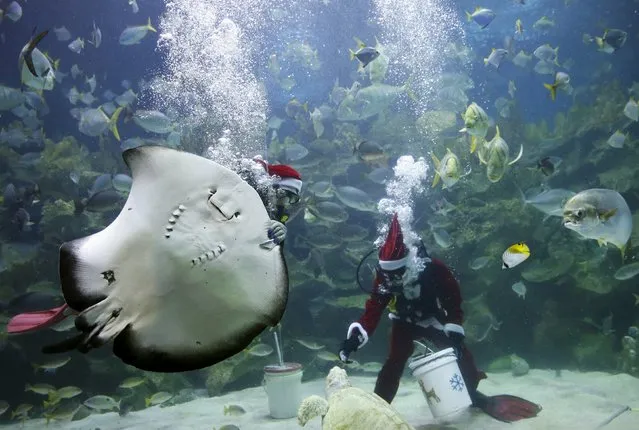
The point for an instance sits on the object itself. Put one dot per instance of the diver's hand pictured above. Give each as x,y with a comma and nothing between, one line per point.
456,340
276,232
349,346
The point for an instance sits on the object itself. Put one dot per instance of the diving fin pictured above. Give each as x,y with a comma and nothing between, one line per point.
505,407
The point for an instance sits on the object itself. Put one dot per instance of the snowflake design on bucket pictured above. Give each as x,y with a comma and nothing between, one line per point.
456,382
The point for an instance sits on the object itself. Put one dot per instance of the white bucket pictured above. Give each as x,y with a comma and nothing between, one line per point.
283,385
442,384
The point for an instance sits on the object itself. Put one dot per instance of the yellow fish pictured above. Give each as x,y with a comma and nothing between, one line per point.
514,255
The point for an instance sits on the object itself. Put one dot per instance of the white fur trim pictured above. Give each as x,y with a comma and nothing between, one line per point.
358,326
291,184
393,264
456,328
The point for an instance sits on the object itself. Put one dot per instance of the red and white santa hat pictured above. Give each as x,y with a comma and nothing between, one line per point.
393,254
289,178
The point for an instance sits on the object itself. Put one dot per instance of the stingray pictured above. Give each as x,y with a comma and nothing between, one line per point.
179,280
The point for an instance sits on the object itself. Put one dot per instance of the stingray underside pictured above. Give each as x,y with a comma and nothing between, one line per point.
178,281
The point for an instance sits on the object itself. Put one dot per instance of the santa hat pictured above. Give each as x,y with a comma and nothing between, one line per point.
289,178
393,254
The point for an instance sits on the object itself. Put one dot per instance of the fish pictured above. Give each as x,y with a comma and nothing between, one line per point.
370,101
188,223
547,53
442,238
21,411
318,126
613,39
479,263
153,120
64,412
132,382
522,59
600,214
134,34
544,68
475,123
520,289
329,211
101,402
308,344
234,410
26,54
544,23
94,122
515,255
355,198
42,389
495,155
519,27
370,152
627,272
548,165
562,79
158,398
448,169
77,45
364,54
617,139
631,110
62,34
260,350
511,89
482,16
495,57
4,407
52,365
327,356
96,37
11,98
550,202
13,11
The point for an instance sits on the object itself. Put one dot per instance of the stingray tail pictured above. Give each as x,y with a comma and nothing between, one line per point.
88,340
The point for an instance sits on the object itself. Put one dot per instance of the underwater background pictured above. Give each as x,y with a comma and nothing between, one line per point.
232,79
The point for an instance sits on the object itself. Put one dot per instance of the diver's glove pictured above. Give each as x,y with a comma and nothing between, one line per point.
348,347
456,336
276,232
356,337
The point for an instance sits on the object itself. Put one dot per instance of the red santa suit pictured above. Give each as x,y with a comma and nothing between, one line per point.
428,307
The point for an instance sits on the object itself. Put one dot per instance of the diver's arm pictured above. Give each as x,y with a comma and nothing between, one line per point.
450,299
373,310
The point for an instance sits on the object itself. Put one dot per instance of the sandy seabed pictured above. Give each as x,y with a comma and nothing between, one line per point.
571,401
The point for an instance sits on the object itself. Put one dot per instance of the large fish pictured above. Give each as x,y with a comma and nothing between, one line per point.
600,214
179,280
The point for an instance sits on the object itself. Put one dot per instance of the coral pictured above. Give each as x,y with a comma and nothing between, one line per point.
58,160
310,408
628,361
594,350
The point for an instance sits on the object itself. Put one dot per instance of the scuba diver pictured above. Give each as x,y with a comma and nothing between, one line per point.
287,187
429,307
281,198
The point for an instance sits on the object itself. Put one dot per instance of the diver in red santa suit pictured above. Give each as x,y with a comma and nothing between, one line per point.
428,307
